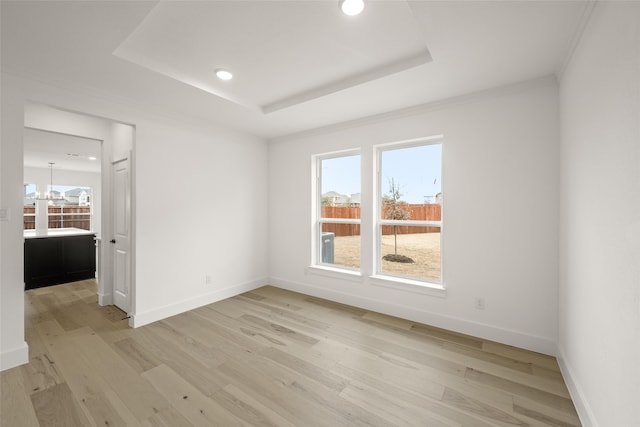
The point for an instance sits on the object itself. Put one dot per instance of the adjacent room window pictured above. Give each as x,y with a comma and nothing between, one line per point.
337,230
409,210
29,206
71,206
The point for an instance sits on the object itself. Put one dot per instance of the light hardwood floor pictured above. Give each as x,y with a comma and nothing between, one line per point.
268,358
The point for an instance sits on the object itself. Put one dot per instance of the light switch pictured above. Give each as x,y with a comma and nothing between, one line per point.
4,214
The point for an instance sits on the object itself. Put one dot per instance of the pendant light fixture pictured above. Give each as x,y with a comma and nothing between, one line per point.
49,194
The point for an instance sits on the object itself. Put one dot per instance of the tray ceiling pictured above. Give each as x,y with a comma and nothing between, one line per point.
298,65
281,53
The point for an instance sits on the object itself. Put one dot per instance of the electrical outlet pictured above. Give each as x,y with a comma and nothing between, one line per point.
479,303
207,280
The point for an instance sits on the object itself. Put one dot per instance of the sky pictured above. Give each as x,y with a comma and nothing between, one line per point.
417,170
31,188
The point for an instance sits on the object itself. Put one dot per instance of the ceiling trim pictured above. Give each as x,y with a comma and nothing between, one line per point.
549,80
575,42
404,64
64,133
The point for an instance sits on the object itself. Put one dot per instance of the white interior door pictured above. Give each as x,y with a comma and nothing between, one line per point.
121,239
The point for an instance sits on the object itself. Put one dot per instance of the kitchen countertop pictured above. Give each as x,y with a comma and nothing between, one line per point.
56,232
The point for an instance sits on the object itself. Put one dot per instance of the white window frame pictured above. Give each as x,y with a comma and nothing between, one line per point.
318,220
380,277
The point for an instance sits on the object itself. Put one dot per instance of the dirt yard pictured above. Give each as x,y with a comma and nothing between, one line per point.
424,249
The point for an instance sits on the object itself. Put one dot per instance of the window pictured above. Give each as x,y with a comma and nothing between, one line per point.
70,207
409,217
337,229
402,216
29,206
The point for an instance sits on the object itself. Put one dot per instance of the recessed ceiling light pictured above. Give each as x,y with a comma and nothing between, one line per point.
352,7
223,74
92,158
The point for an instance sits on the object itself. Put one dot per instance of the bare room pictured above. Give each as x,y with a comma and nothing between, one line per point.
320,213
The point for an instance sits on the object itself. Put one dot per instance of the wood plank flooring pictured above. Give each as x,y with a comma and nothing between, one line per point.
269,357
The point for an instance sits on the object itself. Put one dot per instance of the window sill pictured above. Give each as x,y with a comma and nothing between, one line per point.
336,273
409,285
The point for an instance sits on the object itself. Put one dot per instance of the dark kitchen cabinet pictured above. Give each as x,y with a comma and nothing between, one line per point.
54,260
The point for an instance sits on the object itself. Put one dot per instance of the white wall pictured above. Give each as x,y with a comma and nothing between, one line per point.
200,203
599,324
13,348
500,175
181,167
42,178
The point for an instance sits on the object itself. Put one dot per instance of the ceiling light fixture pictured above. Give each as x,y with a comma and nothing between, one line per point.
352,7
223,74
49,194
92,158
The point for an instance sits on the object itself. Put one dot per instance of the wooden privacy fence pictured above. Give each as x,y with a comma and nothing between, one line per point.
418,213
29,217
341,212
60,217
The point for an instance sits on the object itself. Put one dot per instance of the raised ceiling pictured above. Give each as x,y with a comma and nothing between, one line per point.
277,63
298,65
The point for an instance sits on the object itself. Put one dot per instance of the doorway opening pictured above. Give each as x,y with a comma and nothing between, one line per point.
74,188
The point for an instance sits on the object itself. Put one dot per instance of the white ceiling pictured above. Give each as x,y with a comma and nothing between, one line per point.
65,151
277,62
298,65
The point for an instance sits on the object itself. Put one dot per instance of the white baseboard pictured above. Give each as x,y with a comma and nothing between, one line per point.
480,330
105,299
14,357
585,413
150,316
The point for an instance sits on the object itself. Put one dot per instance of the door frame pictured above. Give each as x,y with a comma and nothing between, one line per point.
87,125
123,157
111,154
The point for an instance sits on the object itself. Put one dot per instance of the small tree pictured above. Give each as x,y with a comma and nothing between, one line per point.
394,209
